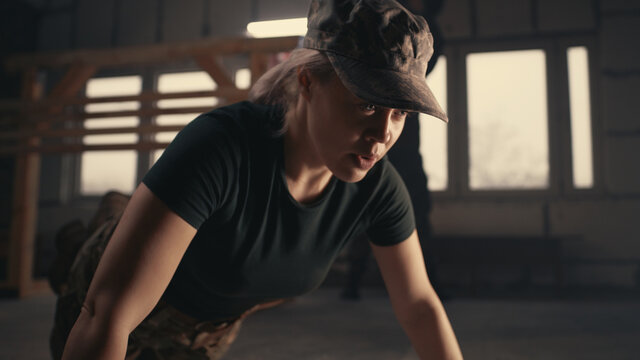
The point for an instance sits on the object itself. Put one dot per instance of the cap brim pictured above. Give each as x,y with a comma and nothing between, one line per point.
386,88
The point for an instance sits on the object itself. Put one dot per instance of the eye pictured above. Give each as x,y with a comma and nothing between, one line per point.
368,107
401,113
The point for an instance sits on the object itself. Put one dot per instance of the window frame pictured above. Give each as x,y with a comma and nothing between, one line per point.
75,159
559,131
558,115
597,129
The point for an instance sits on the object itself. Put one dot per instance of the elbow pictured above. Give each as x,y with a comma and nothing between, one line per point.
94,336
419,312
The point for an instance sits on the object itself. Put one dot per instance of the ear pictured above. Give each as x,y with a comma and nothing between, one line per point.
304,79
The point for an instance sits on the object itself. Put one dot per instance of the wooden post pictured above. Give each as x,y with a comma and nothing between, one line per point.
37,115
27,179
212,65
25,201
258,66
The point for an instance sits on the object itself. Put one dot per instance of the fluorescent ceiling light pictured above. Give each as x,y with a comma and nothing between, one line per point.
274,28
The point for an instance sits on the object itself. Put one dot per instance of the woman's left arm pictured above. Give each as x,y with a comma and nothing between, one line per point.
414,302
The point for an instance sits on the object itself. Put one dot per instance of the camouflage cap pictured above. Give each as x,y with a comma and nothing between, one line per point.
378,49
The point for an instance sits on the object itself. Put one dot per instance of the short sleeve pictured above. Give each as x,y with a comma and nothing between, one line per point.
195,172
392,218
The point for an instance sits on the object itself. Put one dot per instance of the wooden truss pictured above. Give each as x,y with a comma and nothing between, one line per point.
26,122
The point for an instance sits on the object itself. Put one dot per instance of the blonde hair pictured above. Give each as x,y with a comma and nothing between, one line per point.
279,85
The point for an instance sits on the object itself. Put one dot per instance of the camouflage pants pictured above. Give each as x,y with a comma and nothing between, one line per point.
165,334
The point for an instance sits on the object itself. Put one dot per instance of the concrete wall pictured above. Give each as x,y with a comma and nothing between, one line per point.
604,218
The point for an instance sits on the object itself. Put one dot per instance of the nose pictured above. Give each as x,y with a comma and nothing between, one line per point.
379,129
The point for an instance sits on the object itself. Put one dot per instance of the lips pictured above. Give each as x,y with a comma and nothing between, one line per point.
365,161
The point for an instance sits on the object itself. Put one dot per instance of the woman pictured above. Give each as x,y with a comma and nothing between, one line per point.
251,203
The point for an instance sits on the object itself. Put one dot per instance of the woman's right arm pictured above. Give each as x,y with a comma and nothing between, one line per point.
135,269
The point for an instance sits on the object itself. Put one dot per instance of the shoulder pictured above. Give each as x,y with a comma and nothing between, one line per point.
390,210
246,116
382,177
229,126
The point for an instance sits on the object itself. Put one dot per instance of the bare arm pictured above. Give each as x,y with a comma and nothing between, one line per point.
414,301
135,269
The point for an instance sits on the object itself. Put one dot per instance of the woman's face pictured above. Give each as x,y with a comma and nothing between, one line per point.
349,135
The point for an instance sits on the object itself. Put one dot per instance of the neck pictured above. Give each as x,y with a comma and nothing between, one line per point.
306,175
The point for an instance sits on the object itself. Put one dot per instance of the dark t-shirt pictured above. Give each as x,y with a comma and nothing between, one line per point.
224,175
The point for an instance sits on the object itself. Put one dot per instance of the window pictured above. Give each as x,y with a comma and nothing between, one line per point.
181,82
507,118
274,28
433,132
102,171
580,109
243,78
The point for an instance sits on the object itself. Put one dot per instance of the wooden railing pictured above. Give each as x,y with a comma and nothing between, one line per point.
28,124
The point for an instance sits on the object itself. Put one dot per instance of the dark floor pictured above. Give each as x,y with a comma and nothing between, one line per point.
321,326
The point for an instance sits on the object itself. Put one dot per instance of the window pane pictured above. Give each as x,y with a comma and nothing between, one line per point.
580,106
181,82
282,27
192,102
507,109
243,78
185,81
112,106
102,171
433,131
111,138
114,86
108,170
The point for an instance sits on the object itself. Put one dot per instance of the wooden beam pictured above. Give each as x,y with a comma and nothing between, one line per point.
72,81
70,84
152,54
76,148
27,177
82,64
212,65
79,117
141,112
25,201
222,92
62,133
259,63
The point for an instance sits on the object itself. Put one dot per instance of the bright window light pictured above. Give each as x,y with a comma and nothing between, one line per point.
114,86
112,106
243,78
275,28
101,171
580,107
185,81
192,102
507,111
128,121
433,132
181,82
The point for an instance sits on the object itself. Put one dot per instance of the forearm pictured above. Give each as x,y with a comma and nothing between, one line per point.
430,332
91,339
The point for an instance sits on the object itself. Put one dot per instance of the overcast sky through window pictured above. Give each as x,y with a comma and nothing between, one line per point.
507,111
